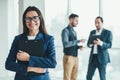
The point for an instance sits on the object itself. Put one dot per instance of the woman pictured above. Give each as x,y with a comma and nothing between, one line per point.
21,62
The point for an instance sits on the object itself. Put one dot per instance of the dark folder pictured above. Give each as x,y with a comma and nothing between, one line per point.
33,47
94,37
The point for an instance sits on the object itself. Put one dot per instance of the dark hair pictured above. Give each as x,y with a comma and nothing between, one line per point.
42,24
100,18
73,16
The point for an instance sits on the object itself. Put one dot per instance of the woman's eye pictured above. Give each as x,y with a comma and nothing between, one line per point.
35,17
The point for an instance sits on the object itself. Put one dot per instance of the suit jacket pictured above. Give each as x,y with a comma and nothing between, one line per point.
49,61
103,54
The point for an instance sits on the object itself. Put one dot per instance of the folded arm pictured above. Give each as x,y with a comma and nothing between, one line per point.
45,62
11,63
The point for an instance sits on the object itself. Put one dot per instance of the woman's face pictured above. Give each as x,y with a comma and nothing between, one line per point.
32,21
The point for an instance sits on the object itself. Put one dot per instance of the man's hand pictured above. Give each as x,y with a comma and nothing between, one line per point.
81,48
82,40
98,42
91,45
23,56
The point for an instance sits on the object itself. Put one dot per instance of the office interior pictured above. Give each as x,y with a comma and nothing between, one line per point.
55,13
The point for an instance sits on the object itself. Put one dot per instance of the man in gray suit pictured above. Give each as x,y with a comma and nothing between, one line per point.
100,40
70,48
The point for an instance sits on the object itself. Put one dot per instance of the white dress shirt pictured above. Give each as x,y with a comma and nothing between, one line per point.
95,51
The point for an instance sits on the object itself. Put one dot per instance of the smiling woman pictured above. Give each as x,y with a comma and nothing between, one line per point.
32,22
33,15
30,67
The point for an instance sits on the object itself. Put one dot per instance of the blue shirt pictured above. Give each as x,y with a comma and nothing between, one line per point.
65,38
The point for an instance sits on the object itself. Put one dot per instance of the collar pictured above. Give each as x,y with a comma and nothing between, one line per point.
99,31
38,36
70,27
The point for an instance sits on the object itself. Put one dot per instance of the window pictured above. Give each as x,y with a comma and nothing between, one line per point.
111,15
55,18
87,10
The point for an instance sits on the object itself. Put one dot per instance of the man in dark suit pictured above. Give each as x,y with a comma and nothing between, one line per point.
99,56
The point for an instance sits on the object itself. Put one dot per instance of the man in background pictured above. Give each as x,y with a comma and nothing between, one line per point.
100,40
70,44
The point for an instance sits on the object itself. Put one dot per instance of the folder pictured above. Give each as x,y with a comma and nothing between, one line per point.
94,37
32,47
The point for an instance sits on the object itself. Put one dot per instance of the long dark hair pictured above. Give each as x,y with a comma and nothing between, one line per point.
42,27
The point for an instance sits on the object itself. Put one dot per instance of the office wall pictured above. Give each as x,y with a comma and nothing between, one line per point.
3,34
8,29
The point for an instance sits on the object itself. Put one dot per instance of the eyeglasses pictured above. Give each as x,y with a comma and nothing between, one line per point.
34,18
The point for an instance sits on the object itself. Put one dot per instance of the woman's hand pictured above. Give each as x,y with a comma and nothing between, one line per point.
36,70
23,56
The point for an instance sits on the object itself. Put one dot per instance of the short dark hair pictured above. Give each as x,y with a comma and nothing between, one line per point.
73,16
42,24
99,17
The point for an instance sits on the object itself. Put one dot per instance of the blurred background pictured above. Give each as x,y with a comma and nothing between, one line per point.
56,14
